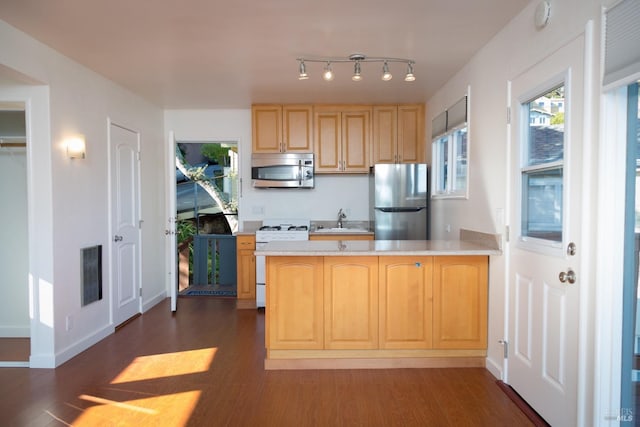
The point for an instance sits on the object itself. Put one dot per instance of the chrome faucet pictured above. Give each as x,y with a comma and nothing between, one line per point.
341,216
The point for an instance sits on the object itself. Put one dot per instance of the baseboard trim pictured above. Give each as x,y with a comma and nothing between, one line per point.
14,364
244,304
15,331
494,368
533,416
375,363
82,345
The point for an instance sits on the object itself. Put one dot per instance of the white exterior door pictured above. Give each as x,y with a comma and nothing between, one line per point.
125,222
170,230
545,207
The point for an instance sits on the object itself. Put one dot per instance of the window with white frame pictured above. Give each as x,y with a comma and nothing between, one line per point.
542,172
449,177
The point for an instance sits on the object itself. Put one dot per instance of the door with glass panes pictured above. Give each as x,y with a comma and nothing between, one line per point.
544,245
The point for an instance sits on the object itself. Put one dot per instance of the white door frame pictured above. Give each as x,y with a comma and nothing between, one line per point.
610,255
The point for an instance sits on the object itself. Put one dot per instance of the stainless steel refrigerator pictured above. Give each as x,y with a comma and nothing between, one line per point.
399,195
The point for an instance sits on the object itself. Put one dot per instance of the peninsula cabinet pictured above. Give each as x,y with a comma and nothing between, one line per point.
350,302
246,270
282,128
342,138
295,303
460,302
405,302
398,134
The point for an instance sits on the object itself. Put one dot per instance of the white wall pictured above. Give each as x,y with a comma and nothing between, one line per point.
331,192
69,198
517,47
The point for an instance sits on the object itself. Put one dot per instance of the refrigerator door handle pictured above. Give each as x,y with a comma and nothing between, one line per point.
413,209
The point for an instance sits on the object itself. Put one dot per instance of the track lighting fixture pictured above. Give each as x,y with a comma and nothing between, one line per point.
357,59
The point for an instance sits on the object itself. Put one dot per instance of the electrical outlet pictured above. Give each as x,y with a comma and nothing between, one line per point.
448,228
257,210
69,323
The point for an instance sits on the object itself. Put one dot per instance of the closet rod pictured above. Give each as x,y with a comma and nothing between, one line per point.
12,144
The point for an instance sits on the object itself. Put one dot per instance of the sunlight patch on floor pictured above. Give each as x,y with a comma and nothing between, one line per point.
168,410
167,365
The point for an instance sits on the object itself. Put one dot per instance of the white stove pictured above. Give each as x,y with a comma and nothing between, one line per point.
275,230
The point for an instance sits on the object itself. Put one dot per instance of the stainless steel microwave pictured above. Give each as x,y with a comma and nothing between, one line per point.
282,170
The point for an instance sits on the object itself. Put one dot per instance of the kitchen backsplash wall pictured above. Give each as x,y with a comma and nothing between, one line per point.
331,193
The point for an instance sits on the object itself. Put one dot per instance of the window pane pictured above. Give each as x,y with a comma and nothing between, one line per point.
442,149
546,128
460,140
542,204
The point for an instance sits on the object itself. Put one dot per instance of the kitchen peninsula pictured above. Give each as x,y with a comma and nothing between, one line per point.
334,304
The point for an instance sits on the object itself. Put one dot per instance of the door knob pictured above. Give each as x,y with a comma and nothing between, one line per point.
568,276
117,238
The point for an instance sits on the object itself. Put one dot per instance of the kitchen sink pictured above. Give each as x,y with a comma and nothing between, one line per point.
342,230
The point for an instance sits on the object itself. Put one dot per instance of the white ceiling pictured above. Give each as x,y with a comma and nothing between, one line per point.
229,54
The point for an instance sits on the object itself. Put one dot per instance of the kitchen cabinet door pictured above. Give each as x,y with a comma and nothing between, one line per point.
327,141
246,267
356,139
350,302
294,316
405,302
385,134
282,128
411,134
342,139
460,302
297,128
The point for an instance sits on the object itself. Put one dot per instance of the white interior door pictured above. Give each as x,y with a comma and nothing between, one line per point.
124,147
170,231
545,218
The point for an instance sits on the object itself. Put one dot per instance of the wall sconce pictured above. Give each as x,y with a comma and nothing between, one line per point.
76,147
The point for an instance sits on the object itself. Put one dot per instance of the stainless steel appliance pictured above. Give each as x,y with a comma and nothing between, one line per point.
399,201
273,230
282,170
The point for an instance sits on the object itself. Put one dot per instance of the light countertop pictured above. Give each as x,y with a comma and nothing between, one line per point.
376,248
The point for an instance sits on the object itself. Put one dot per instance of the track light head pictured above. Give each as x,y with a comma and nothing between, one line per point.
356,72
409,77
302,72
328,73
386,75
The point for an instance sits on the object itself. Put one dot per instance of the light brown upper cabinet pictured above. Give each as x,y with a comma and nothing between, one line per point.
398,134
282,128
342,138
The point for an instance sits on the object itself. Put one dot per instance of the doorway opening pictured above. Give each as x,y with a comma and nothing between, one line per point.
206,217
15,330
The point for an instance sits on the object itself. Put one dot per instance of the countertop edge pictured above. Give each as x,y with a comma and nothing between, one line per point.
376,248
480,252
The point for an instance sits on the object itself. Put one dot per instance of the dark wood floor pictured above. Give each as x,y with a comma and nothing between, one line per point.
203,367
